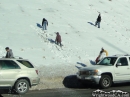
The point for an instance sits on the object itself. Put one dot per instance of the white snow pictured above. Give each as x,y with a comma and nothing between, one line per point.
82,41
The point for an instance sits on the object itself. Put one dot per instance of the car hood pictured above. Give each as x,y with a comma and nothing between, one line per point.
94,67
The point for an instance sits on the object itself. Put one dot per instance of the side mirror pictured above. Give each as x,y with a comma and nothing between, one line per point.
118,64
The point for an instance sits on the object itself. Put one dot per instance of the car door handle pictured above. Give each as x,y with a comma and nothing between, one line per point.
128,68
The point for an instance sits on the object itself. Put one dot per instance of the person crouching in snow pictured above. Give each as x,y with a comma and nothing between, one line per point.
44,24
58,39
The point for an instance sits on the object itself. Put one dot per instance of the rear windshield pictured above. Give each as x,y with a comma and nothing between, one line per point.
26,63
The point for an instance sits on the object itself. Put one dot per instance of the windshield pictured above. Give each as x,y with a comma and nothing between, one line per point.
108,61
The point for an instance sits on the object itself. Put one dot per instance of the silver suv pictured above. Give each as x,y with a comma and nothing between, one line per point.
18,74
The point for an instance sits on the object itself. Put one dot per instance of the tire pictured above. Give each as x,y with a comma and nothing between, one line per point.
105,81
22,86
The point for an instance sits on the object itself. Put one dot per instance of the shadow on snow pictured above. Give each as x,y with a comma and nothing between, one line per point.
91,23
51,41
39,25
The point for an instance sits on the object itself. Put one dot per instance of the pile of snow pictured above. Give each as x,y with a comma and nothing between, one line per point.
74,20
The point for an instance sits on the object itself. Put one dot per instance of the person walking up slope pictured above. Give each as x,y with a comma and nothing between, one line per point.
98,21
58,39
44,24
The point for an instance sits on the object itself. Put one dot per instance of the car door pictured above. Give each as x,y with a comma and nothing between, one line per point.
122,71
8,72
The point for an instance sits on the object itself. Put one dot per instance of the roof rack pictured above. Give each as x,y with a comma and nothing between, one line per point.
17,57
118,55
127,55
2,57
122,55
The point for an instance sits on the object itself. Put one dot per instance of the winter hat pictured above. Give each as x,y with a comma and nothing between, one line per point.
7,48
102,49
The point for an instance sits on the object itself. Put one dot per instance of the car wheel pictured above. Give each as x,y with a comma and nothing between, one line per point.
105,81
22,86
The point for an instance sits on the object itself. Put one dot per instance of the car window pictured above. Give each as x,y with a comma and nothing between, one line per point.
129,59
123,61
8,64
26,63
108,61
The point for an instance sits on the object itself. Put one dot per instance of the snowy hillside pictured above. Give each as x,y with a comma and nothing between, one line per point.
20,30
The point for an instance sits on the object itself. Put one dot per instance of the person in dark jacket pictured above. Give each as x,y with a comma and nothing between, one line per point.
58,39
98,21
9,53
44,24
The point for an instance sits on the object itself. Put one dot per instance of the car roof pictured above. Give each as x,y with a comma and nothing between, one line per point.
120,55
12,59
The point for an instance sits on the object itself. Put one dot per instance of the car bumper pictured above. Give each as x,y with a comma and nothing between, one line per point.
35,81
94,79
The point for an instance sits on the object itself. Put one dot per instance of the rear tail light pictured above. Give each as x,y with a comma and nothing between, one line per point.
37,72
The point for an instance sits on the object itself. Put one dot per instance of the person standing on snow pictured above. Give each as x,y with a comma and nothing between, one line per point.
58,39
98,21
9,53
44,24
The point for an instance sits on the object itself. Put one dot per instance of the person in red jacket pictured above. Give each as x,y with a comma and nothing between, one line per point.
58,39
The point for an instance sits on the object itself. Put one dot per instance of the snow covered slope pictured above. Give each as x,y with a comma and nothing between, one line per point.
20,30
